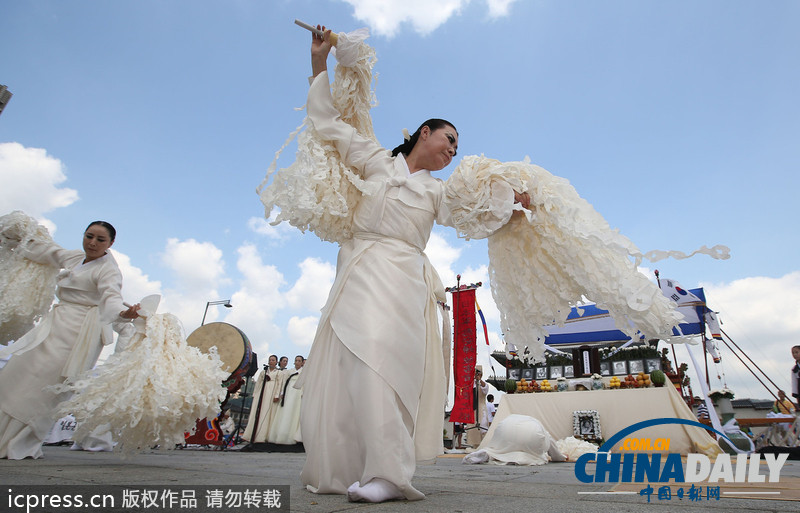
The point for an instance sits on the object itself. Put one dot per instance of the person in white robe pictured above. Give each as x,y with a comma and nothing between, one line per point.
266,398
65,343
488,415
476,431
518,440
285,429
374,385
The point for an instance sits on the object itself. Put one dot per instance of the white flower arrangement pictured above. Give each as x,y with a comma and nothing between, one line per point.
596,376
725,393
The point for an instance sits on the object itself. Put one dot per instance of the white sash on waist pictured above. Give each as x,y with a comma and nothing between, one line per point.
379,237
81,354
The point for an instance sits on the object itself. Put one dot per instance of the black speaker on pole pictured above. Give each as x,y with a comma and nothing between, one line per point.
253,366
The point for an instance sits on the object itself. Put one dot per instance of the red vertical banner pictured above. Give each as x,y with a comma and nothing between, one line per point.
464,349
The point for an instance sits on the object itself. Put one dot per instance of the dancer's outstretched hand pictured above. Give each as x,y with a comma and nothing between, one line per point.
320,48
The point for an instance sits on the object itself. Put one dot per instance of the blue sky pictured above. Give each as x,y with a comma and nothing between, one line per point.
679,121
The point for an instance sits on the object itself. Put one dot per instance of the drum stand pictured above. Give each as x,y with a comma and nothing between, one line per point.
237,439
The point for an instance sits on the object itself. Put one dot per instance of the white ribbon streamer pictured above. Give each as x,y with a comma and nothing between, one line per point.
718,252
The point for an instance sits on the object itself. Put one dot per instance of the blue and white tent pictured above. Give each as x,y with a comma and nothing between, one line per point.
589,324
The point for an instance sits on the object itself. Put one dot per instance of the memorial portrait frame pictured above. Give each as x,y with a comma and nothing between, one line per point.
586,425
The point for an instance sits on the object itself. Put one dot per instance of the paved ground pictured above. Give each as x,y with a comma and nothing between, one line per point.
449,485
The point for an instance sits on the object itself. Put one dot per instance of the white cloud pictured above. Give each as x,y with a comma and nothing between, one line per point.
384,17
302,330
199,272
499,8
442,255
29,181
262,226
760,316
135,284
197,265
310,291
257,301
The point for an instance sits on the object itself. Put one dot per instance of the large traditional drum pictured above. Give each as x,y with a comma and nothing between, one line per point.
232,345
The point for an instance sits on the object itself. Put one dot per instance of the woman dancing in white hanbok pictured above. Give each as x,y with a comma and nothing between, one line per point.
374,384
66,342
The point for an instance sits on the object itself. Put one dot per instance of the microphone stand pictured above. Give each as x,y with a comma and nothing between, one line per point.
251,444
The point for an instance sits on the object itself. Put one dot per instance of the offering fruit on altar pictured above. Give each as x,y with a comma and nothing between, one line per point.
536,386
614,382
510,386
630,382
658,378
643,379
546,386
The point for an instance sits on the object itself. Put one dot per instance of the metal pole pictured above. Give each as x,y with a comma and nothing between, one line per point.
204,313
748,367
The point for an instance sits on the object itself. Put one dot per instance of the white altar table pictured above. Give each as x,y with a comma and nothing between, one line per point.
617,410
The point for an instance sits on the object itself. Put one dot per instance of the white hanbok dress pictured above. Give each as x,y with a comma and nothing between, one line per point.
268,391
65,343
285,428
374,383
